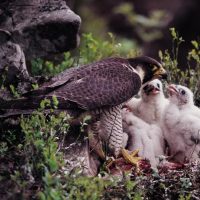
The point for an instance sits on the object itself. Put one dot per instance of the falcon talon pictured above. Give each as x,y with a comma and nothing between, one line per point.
131,157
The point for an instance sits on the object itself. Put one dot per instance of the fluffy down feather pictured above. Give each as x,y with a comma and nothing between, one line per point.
143,123
182,124
151,104
148,138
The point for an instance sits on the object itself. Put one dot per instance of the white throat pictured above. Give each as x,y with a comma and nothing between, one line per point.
140,72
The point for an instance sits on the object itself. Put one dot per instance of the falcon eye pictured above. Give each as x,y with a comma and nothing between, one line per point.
183,92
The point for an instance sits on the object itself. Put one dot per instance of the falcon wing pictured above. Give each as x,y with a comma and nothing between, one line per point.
107,83
54,82
76,73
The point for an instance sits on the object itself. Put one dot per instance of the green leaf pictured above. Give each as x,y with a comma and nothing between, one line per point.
41,196
173,33
55,101
195,44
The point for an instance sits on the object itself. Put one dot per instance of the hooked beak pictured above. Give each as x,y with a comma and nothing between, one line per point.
172,90
161,73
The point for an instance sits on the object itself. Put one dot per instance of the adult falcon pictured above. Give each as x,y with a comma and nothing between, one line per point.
100,88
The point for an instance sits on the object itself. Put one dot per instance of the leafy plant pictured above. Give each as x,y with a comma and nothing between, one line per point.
14,91
53,188
92,49
83,189
146,27
3,148
41,140
188,76
40,66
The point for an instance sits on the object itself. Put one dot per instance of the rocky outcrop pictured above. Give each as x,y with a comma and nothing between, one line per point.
31,29
40,27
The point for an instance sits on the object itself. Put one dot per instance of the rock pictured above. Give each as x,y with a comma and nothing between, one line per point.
79,156
12,59
40,27
32,29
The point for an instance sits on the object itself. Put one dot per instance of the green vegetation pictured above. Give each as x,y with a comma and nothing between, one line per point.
190,75
32,156
147,28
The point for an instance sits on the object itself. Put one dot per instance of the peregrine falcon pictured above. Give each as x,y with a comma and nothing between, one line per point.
100,88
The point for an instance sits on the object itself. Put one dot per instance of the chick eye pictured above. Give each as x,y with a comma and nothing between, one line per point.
158,85
183,92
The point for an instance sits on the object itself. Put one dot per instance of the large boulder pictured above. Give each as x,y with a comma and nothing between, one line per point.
31,29
40,27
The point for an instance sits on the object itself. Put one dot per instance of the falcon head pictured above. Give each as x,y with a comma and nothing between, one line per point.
152,88
180,95
148,68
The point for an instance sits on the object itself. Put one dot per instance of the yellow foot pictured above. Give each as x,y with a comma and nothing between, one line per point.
131,157
123,163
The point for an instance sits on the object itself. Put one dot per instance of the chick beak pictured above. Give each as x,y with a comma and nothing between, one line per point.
172,89
161,73
151,89
156,90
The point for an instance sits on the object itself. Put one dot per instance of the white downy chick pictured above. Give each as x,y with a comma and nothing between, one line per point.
150,106
143,123
148,138
181,123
